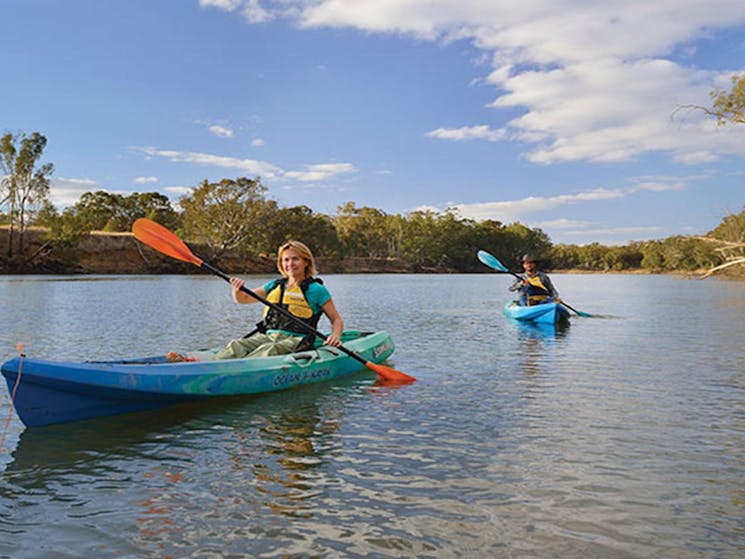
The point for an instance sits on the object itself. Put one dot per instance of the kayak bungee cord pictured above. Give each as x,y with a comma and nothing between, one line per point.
19,347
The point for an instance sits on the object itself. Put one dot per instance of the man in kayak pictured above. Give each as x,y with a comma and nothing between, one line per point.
299,293
534,286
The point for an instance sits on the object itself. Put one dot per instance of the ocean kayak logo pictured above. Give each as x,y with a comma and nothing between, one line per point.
287,379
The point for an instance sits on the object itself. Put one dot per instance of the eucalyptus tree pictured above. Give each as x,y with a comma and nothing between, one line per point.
729,106
521,239
362,230
301,223
25,186
106,211
229,215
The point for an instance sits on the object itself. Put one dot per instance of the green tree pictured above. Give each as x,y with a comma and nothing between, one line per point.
453,241
96,210
732,228
300,223
63,233
729,106
653,256
362,231
151,205
104,211
418,247
24,187
230,214
522,239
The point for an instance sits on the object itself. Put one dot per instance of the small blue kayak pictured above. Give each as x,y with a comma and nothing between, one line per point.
547,313
47,392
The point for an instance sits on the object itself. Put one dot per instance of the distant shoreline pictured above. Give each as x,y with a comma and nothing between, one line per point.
106,253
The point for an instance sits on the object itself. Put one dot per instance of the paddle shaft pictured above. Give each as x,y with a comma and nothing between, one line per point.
282,310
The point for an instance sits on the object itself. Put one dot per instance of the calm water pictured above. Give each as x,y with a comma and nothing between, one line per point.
621,436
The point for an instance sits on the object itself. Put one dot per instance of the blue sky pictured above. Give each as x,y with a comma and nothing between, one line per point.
560,114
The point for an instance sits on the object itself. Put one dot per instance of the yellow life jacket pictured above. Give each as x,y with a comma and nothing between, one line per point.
537,292
292,300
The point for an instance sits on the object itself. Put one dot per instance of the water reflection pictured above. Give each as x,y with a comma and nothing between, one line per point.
534,340
540,331
55,449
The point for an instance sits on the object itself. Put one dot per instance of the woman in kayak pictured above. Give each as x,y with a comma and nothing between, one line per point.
299,293
534,286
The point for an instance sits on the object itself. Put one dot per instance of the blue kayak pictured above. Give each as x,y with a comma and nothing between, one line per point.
547,313
60,392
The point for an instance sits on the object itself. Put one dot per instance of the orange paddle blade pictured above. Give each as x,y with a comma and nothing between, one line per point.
161,239
389,374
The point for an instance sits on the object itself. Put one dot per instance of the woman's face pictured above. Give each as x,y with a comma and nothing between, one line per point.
293,264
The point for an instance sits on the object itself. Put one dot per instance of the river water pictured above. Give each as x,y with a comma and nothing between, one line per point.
620,436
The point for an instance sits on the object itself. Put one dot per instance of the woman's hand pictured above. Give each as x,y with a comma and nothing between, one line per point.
337,323
333,340
237,283
239,296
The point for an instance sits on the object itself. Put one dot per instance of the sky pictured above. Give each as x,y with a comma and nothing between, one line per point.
566,115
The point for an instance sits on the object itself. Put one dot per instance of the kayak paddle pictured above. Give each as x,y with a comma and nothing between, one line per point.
161,239
491,261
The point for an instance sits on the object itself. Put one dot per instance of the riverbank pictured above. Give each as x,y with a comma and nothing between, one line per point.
120,253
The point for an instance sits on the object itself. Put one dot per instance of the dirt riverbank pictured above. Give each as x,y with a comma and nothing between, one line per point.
121,253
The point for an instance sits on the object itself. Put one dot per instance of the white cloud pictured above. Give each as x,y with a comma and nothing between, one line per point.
514,210
255,13
562,224
617,236
508,211
178,190
257,142
480,132
594,80
146,180
251,166
427,209
220,131
65,192
643,230
312,173
225,5
659,186
321,172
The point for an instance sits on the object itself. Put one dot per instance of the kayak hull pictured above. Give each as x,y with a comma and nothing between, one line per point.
59,392
547,313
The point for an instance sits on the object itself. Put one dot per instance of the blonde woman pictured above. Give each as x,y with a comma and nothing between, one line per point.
299,293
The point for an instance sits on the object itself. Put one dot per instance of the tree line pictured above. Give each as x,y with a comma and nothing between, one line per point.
235,216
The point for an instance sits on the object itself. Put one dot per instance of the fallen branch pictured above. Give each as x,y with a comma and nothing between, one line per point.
727,244
722,266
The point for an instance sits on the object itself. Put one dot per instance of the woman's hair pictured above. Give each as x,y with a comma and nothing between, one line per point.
303,251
